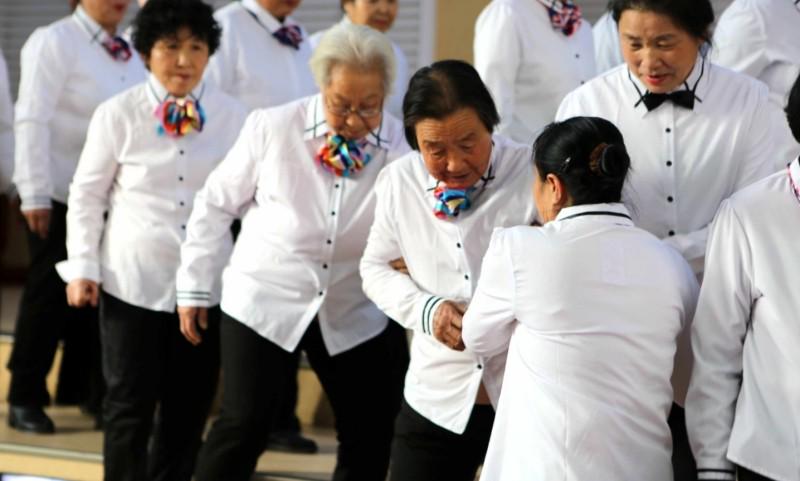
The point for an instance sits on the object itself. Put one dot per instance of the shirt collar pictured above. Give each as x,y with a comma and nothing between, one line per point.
265,18
615,213
89,25
316,126
794,177
700,76
157,93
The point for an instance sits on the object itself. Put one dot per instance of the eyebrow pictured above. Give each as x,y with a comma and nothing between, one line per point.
660,38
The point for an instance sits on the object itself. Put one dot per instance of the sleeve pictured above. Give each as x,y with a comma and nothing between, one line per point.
489,321
228,191
395,293
718,334
497,58
761,154
740,41
570,107
692,246
6,130
682,371
88,199
607,50
44,69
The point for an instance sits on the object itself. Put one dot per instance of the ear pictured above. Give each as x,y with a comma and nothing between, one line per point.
557,189
146,59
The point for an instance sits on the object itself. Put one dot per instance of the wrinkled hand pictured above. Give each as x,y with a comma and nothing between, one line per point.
399,265
447,324
38,221
82,293
191,317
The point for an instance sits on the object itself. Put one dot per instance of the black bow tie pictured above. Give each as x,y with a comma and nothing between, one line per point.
681,98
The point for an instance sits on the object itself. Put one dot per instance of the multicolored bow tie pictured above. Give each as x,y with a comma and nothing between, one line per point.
291,36
564,15
343,157
178,117
451,202
118,48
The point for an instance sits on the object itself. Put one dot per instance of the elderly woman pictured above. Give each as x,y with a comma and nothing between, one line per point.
761,38
436,209
380,15
67,69
531,53
696,132
303,174
587,386
148,151
742,403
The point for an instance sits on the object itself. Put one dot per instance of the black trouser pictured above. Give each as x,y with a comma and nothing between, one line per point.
683,464
424,451
147,363
45,318
364,386
745,474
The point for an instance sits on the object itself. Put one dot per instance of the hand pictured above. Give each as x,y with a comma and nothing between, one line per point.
447,324
191,317
38,221
82,292
399,265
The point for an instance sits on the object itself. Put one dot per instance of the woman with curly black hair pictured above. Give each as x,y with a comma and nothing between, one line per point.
148,150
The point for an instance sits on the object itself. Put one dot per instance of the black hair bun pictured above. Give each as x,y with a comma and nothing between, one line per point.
613,161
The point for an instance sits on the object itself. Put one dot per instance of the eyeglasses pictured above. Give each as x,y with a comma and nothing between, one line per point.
346,110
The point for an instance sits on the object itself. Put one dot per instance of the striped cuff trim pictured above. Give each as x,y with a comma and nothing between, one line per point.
715,474
428,310
196,295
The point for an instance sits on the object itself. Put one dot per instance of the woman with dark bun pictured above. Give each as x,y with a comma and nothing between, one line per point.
590,308
148,151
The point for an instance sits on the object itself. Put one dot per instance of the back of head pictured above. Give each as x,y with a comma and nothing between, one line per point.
443,88
356,46
588,155
694,16
793,110
158,19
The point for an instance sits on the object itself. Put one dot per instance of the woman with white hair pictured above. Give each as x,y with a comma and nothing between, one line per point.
303,175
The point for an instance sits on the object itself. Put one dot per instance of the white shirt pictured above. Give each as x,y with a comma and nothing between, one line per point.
252,65
147,183
65,74
762,38
6,129
607,50
593,307
684,163
443,259
305,229
527,65
394,102
744,400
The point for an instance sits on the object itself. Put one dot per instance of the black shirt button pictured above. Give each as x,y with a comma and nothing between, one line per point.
671,233
324,266
329,241
320,293
337,186
466,276
668,130
180,178
480,366
181,151
577,55
458,245
670,199
182,203
183,227
333,212
669,163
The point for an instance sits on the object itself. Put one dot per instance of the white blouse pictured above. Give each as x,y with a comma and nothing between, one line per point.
252,65
684,163
592,307
527,66
744,399
394,102
147,183
443,259
303,230
6,129
607,50
66,73
762,38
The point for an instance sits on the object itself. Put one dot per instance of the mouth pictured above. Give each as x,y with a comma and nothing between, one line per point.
655,79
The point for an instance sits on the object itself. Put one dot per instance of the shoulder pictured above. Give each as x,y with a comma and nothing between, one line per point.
514,158
735,84
406,171
231,13
589,98
224,103
497,11
755,199
393,133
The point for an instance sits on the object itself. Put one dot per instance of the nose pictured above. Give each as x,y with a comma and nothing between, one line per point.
184,58
650,60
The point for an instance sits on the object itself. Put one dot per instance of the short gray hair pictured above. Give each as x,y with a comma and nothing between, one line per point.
357,46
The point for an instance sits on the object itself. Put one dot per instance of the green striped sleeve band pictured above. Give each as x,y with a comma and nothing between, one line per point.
428,310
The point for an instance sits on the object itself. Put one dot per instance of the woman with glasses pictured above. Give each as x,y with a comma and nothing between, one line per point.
303,176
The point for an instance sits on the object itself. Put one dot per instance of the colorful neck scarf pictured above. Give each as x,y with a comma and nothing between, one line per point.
291,36
178,117
451,202
343,157
564,15
794,177
118,48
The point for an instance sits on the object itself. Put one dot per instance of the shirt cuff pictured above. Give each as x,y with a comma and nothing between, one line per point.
713,471
427,312
35,202
71,270
194,298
